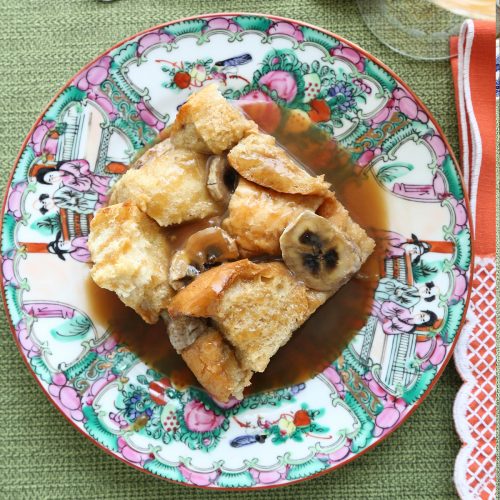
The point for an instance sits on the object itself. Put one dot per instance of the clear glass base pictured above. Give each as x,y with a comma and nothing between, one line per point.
414,28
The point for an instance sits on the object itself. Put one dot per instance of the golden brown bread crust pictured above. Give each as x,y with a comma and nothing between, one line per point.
315,298
153,152
215,366
258,216
199,298
259,315
207,123
130,253
335,212
170,188
256,307
259,159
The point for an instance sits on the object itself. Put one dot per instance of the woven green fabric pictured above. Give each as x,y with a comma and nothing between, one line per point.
42,456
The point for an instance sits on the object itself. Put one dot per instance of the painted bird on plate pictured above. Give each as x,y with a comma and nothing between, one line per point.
227,68
234,61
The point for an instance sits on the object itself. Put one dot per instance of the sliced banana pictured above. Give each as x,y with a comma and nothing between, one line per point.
221,179
184,330
210,246
181,270
317,253
202,250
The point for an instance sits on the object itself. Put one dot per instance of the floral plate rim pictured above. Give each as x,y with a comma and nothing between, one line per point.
369,56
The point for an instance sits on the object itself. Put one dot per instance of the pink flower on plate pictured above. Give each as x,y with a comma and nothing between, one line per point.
257,96
333,376
460,289
229,404
104,102
95,75
199,478
401,405
362,85
70,400
461,216
439,186
269,477
8,272
350,55
376,388
282,82
221,23
403,102
439,353
439,147
199,419
153,38
59,379
42,143
339,455
407,105
129,453
148,117
106,346
368,156
425,348
14,201
336,456
286,28
384,113
388,417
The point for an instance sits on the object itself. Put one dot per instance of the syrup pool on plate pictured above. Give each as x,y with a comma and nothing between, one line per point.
321,339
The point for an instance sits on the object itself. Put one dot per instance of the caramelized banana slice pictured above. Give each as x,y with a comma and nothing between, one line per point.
317,253
221,179
210,246
184,330
181,270
203,250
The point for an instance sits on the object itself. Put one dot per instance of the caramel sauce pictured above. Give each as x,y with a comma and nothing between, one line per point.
321,339
177,235
149,342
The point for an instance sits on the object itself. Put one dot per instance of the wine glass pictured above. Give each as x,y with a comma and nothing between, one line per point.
421,29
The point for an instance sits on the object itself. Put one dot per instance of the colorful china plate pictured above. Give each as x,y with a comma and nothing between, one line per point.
87,137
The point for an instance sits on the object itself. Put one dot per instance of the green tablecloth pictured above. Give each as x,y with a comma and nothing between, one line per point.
43,43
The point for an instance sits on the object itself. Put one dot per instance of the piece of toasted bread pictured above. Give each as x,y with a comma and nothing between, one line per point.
200,297
230,321
207,123
213,362
256,307
335,212
153,152
130,255
259,159
257,216
169,187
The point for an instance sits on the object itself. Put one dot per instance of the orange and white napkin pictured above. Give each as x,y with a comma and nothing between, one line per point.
475,356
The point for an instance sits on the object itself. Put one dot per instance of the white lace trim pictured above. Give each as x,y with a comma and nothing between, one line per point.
480,327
